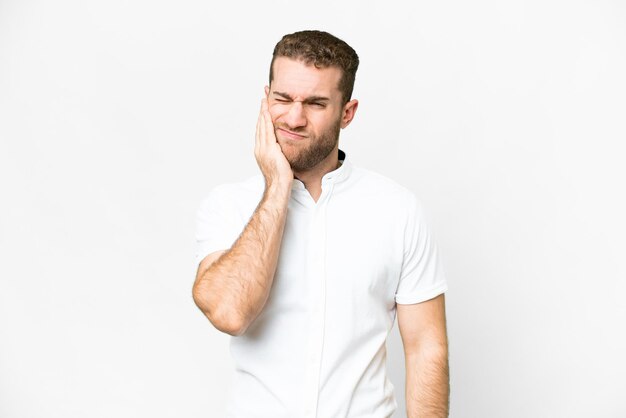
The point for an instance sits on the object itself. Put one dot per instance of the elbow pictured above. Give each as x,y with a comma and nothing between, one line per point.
227,323
433,352
233,330
223,320
436,350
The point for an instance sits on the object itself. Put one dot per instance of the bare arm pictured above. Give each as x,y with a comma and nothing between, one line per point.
232,286
423,330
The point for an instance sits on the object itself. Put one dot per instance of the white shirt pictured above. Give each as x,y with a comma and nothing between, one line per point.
318,347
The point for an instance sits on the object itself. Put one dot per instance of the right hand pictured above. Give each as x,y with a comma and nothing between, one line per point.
270,158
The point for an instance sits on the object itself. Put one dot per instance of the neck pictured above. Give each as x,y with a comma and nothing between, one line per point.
312,178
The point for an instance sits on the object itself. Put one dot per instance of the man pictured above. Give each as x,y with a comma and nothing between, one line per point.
307,264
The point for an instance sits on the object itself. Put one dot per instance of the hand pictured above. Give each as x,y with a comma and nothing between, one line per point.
270,158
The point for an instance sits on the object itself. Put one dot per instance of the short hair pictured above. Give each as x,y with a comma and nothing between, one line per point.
322,50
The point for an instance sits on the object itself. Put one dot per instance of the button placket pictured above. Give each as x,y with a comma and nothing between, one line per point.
317,278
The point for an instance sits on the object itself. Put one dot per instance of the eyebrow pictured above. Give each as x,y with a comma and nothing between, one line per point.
309,99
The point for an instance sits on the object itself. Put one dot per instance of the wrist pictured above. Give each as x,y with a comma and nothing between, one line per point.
277,185
278,188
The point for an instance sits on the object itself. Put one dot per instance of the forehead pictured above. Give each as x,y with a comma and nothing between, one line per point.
301,80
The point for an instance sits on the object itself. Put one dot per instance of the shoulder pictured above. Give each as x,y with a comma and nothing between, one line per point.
251,185
370,183
384,201
236,194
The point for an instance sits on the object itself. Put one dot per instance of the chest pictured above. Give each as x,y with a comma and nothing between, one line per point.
351,256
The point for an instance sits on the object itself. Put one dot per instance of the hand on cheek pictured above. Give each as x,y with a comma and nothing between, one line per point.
270,158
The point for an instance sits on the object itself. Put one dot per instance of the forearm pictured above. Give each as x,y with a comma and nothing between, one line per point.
427,383
233,290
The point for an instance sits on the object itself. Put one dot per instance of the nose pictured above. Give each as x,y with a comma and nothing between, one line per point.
295,117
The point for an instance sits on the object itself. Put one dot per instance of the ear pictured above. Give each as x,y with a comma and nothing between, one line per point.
348,112
267,91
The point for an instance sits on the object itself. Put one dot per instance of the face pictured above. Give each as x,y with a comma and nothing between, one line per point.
308,111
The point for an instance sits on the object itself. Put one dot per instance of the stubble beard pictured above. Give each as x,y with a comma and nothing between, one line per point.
318,149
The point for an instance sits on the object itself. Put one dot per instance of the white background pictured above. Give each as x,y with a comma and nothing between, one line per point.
117,117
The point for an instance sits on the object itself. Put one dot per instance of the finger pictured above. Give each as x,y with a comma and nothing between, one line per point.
257,138
259,121
269,127
266,139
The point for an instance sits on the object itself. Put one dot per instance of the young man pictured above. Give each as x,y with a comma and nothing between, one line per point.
307,264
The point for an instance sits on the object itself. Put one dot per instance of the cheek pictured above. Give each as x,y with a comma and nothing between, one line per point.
276,111
323,123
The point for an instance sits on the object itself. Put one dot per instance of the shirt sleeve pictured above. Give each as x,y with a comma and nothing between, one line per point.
422,277
217,224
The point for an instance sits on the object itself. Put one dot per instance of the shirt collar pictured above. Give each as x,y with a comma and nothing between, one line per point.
336,176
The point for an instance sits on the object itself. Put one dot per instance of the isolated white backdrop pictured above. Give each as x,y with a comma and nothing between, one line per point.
117,117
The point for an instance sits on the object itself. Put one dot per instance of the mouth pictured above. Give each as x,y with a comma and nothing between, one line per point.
289,135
